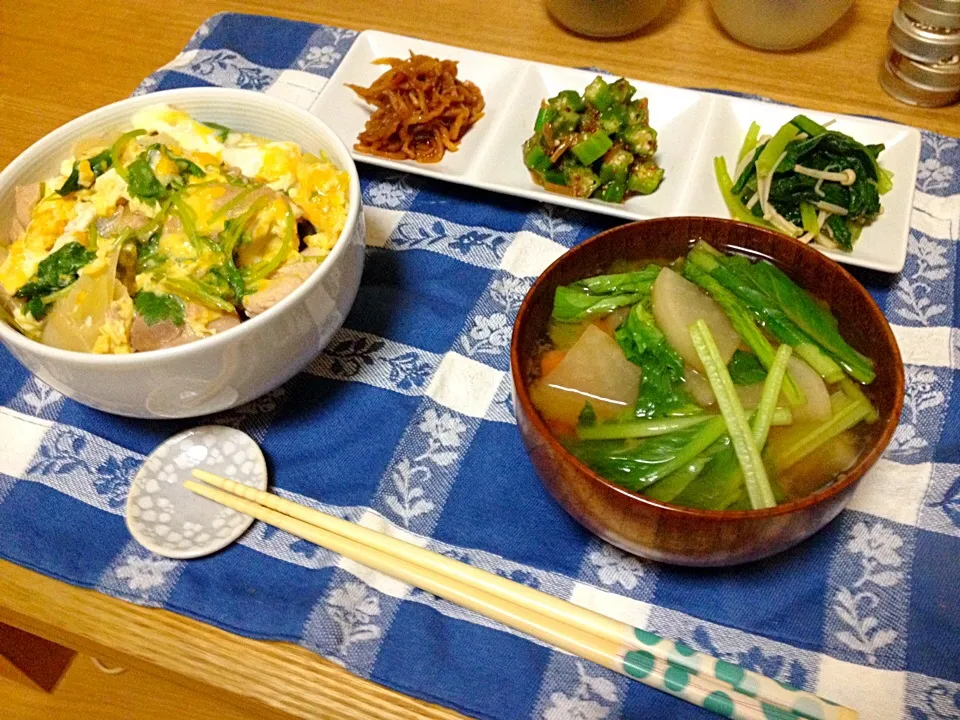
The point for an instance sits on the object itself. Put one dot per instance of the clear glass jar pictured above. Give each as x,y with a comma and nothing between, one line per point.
778,24
605,18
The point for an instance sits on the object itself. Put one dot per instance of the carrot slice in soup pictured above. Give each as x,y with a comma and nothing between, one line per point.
550,360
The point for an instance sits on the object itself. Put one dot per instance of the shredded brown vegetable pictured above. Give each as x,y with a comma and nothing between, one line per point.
422,109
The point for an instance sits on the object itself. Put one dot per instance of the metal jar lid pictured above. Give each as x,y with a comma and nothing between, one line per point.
937,76
933,13
898,79
921,43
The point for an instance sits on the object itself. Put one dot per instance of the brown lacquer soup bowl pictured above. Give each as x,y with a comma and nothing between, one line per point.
670,533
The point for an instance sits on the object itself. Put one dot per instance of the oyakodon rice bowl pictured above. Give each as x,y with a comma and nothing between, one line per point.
271,319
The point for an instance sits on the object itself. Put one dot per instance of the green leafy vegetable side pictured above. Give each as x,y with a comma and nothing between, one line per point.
154,308
745,369
55,272
804,163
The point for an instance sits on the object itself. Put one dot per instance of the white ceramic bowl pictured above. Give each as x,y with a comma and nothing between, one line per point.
243,363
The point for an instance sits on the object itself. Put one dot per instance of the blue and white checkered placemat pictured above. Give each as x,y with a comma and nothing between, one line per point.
405,423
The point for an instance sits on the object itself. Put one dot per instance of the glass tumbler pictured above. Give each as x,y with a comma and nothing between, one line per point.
605,18
778,24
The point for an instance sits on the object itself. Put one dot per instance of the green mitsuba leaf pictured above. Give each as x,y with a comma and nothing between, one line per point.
55,272
155,308
141,182
222,130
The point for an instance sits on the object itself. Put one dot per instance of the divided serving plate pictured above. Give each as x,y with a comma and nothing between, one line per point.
693,127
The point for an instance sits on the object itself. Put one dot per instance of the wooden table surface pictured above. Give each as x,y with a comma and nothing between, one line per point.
59,60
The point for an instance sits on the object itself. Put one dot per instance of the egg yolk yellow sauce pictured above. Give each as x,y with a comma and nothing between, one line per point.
167,233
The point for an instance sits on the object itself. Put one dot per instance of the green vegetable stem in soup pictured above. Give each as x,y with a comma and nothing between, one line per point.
711,382
596,145
807,182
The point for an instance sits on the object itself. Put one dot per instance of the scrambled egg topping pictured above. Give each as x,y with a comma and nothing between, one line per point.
175,221
114,336
47,223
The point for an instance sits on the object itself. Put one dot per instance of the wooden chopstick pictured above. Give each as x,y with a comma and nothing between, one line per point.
672,667
565,612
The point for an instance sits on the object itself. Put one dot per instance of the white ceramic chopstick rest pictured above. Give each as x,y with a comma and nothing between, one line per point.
168,519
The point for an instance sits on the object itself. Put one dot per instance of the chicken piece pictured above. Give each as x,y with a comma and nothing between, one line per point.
283,282
26,198
165,334
13,232
122,219
224,323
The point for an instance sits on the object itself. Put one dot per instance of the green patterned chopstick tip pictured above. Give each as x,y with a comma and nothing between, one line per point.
809,708
720,703
729,673
638,663
647,638
805,708
676,678
738,678
683,662
685,656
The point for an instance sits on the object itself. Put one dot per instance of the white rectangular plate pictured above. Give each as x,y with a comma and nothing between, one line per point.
693,127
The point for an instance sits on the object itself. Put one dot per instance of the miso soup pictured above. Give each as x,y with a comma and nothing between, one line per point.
711,381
